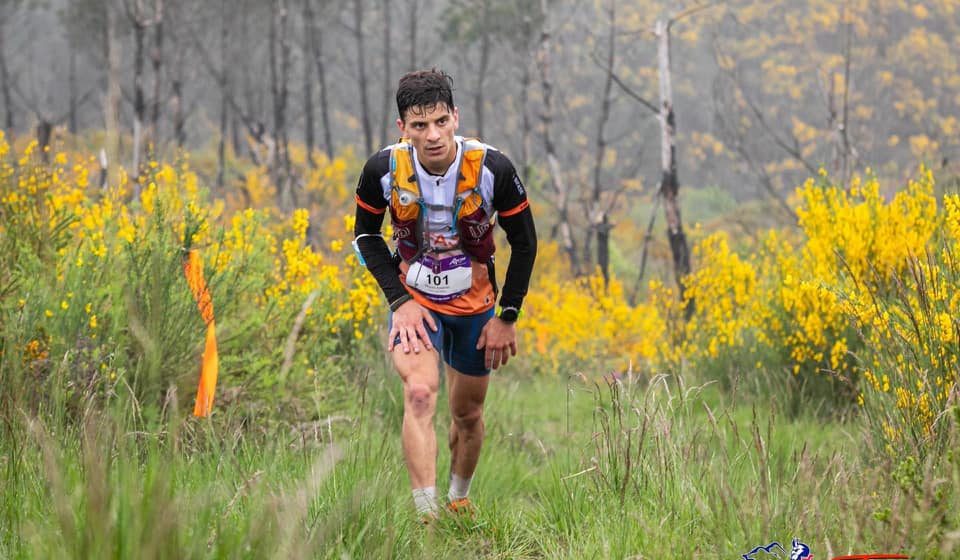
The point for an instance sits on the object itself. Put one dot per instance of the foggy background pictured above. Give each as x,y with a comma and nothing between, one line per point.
764,93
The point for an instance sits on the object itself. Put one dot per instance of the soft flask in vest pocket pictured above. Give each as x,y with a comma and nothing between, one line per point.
405,205
406,234
476,234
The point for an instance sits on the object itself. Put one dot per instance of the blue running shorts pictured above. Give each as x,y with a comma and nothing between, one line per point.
456,340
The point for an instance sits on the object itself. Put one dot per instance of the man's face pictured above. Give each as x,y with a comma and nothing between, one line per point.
431,131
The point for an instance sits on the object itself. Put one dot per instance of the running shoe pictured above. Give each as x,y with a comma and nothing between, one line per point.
463,506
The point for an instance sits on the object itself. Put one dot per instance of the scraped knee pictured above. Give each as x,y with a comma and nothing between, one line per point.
420,398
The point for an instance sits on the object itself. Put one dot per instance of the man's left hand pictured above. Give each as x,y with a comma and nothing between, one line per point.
497,338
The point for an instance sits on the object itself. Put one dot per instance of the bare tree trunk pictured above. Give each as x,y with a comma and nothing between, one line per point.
315,40
599,221
362,75
222,143
669,182
279,71
44,134
526,125
277,108
72,87
111,105
156,57
5,83
235,140
224,87
283,134
387,73
484,66
526,77
246,81
176,101
647,236
561,195
139,101
845,148
413,24
308,87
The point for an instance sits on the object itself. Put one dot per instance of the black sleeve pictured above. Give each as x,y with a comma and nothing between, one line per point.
371,208
516,219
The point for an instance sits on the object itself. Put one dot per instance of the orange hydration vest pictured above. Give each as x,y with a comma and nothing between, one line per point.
408,209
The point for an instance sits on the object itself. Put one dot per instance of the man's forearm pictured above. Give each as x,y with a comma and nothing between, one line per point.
382,266
377,256
522,236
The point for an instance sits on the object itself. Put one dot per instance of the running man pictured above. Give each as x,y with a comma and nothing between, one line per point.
442,192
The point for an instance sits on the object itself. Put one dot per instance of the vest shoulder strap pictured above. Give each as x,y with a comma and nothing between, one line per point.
402,170
471,165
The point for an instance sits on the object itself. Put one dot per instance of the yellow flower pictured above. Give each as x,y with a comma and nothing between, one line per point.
301,221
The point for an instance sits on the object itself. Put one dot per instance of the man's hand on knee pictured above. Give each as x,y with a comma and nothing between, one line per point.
408,327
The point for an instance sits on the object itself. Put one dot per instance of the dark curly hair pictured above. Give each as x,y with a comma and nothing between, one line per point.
424,89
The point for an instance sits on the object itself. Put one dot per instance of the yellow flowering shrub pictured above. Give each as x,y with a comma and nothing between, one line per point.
865,296
102,266
586,321
850,232
724,289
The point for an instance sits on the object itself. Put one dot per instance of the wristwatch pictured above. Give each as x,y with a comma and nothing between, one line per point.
509,314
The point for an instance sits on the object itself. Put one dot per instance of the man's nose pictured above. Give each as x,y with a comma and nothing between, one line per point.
433,133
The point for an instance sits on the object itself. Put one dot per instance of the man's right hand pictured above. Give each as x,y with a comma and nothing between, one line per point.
408,321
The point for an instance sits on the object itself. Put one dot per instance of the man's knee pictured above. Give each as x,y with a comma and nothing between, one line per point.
468,419
421,398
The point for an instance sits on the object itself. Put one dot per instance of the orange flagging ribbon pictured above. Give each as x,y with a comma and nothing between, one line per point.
193,270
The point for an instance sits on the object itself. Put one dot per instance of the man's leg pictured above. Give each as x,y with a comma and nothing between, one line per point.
466,394
421,379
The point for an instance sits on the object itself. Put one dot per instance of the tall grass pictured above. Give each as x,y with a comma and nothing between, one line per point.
625,468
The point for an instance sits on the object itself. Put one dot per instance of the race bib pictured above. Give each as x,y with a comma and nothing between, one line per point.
441,279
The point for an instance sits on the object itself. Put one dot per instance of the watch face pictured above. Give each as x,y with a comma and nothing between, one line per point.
508,315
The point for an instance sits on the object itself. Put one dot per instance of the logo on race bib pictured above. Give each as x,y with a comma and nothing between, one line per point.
458,261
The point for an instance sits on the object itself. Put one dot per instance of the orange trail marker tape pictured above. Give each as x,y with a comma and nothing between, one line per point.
210,363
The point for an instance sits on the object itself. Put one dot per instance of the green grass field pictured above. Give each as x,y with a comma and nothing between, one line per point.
572,468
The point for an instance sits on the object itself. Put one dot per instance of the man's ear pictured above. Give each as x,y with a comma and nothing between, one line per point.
402,128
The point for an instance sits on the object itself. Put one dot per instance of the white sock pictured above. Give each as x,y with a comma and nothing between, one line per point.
459,487
425,499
